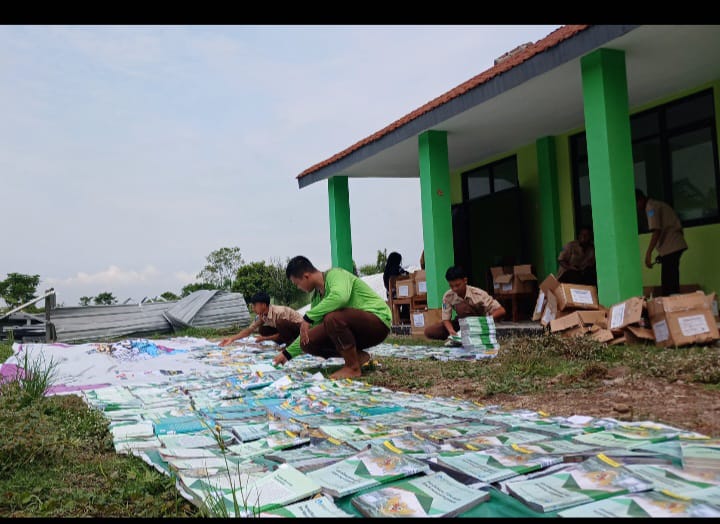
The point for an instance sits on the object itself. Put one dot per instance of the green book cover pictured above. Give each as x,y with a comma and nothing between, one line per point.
320,506
593,479
647,504
432,495
497,463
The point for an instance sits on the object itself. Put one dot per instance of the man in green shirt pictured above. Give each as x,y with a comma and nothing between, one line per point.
346,316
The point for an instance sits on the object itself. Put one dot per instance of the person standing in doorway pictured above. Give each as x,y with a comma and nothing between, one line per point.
577,260
667,238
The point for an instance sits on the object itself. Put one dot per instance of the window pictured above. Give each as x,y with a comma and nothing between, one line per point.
674,160
489,179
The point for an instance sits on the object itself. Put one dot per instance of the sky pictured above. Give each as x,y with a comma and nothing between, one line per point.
128,154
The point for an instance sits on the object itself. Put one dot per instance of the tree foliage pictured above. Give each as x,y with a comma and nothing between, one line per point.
170,296
195,286
221,268
251,278
377,267
105,299
18,288
282,289
85,301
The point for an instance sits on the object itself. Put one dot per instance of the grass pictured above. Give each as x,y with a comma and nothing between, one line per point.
58,459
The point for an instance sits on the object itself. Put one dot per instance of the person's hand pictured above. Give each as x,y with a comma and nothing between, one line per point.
260,339
279,359
304,332
648,260
224,342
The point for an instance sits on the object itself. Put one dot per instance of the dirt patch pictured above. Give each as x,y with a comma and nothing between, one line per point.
687,406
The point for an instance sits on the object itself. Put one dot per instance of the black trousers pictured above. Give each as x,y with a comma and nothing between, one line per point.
670,273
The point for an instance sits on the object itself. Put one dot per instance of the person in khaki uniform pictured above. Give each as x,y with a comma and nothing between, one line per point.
281,324
577,260
466,301
667,238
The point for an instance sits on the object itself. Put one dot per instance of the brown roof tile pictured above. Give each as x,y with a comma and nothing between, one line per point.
563,33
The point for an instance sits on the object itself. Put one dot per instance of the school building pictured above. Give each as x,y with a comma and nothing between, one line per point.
557,134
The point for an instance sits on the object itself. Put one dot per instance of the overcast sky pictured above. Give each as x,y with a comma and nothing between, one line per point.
129,153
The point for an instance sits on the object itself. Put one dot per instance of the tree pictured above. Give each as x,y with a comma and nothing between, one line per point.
222,266
281,287
195,286
85,301
17,288
251,278
105,298
169,296
377,267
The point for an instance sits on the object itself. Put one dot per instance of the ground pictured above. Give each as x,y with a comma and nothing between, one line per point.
620,396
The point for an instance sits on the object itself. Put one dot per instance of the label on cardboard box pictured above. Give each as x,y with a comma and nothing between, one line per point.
714,308
422,287
506,287
418,320
581,296
540,302
617,315
403,291
693,325
660,329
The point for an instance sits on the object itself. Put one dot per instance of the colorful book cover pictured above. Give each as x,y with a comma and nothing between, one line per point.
647,504
371,467
319,507
593,479
432,495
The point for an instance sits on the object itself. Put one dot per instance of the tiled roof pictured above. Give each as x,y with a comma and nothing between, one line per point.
559,35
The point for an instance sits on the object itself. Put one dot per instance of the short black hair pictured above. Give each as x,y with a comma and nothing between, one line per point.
260,296
299,265
639,195
455,272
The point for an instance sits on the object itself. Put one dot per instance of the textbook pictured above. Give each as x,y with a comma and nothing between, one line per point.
408,442
498,463
672,479
431,495
319,453
320,506
593,479
647,504
371,467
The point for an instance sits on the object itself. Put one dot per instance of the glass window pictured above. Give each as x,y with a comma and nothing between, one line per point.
644,125
489,179
692,109
478,184
694,185
505,175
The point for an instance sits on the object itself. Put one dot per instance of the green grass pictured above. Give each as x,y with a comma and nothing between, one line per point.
57,457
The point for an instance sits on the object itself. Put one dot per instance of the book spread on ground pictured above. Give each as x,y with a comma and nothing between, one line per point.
671,479
320,506
647,504
317,454
431,495
371,467
593,479
498,463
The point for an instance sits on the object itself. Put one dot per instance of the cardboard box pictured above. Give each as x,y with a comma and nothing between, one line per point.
626,313
539,306
681,320
578,319
405,288
512,280
600,334
421,318
420,282
656,291
576,296
638,335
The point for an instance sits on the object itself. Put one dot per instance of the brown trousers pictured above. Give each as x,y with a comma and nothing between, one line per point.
438,331
345,330
289,331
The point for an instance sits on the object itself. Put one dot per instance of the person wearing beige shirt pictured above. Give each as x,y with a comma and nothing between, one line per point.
466,301
667,238
577,260
280,324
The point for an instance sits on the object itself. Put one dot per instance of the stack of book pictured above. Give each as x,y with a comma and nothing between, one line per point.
478,333
702,457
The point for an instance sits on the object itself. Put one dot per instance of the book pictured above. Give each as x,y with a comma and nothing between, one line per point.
407,442
497,463
593,479
320,506
646,504
668,478
431,495
371,467
318,453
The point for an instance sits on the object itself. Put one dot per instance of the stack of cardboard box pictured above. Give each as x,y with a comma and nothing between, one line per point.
573,310
420,315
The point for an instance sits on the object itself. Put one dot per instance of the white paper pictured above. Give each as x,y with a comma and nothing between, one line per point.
693,325
548,315
617,316
418,319
540,302
581,296
661,331
506,287
403,291
422,286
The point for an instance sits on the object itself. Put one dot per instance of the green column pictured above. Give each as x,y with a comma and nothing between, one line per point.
612,181
436,214
340,233
549,204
